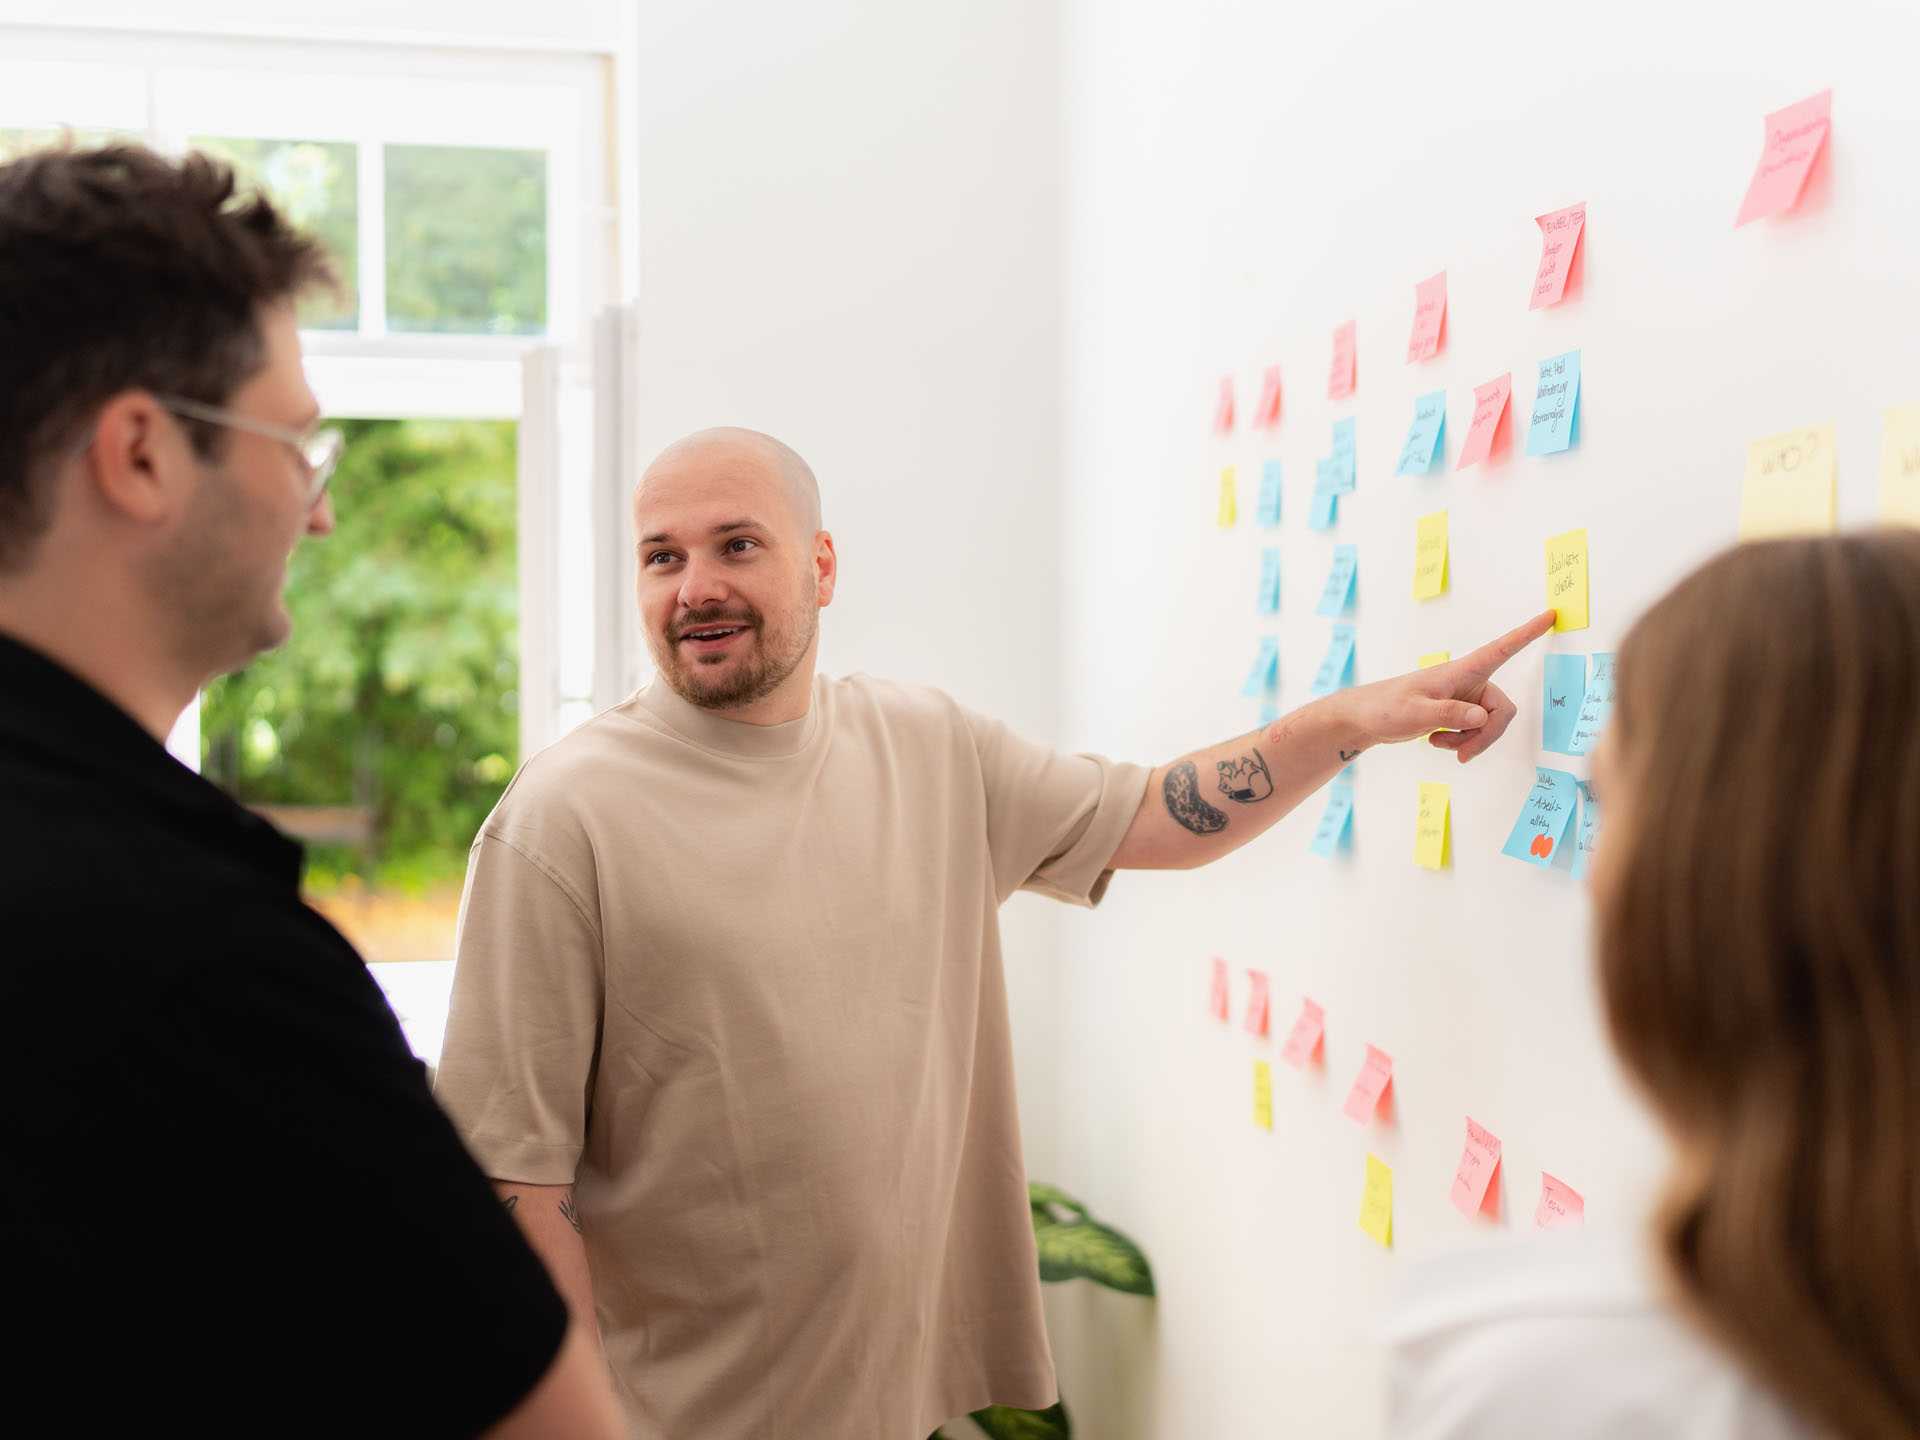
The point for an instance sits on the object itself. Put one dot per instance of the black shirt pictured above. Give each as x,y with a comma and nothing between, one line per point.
227,1196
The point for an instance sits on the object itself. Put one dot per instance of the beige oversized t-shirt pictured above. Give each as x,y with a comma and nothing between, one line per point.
741,986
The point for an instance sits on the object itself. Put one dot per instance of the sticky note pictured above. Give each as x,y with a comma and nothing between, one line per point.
1474,1174
1433,832
1267,413
1376,1074
1789,488
1430,556
1336,666
1303,1041
1429,318
1423,443
1217,997
1489,405
1269,603
1223,407
1793,140
1560,1205
1268,514
1258,1005
1229,508
1326,504
1338,595
1560,232
1263,1094
1340,375
1567,580
1335,830
1435,657
1344,471
1542,825
1265,674
1900,467
1376,1203
1561,695
1555,425
1269,708
1595,707
1589,830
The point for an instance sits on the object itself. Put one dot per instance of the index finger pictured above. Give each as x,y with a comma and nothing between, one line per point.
1495,653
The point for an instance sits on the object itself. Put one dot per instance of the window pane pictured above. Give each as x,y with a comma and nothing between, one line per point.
466,240
317,184
387,727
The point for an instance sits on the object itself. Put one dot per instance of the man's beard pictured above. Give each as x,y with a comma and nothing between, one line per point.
776,653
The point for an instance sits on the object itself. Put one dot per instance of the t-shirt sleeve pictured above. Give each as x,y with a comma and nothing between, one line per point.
523,1025
1053,819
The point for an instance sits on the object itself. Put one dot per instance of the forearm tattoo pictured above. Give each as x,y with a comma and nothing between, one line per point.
1246,780
1347,757
572,1215
511,1202
1185,805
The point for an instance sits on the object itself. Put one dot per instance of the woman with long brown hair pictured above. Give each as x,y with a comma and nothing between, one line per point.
1757,896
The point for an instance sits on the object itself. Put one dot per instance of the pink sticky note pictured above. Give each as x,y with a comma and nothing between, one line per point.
1217,1000
1560,232
1257,1005
1268,411
1560,1204
1223,408
1794,137
1304,1039
1475,1172
1429,318
1489,404
1340,376
1369,1085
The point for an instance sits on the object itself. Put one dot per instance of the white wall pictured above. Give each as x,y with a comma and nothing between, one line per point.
1241,178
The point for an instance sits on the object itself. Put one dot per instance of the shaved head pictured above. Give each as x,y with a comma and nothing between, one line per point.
725,449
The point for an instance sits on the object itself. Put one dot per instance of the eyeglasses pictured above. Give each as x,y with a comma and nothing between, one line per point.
319,450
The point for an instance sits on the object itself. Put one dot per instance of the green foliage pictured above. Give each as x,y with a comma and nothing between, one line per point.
466,240
1000,1423
317,186
1080,1247
398,689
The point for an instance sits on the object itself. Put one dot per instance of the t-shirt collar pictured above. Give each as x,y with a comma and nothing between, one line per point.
713,731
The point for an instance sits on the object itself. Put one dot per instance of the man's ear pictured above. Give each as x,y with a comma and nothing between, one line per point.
826,568
139,459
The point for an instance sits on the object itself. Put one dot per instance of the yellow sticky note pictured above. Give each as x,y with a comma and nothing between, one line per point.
1789,488
1567,579
1435,657
1376,1204
1229,510
1433,837
1430,556
1263,1094
1900,467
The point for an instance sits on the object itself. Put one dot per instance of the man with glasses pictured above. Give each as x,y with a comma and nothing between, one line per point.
226,1194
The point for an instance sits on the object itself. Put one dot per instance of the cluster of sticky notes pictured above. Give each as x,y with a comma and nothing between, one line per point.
1341,373
1259,1006
1337,596
1567,580
1376,1202
1790,484
1425,436
1429,318
1337,665
1560,232
1267,413
1269,600
1229,510
1489,411
1473,1176
1541,829
1574,708
1335,830
1900,466
1556,406
1303,1041
1433,829
1369,1086
1430,556
1793,140
1263,1094
1264,677
1267,514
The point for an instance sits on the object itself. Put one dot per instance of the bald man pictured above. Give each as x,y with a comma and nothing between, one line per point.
729,1029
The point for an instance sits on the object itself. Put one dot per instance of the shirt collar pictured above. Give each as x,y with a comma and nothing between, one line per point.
713,731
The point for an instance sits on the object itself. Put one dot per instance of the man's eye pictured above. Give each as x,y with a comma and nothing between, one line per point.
741,540
659,555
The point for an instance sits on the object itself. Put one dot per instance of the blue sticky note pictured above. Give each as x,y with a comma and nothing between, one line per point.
1343,433
1335,830
1336,666
1556,405
1268,514
1589,829
1270,581
1595,708
1542,826
1342,582
1341,469
1265,674
1326,507
1560,700
1423,444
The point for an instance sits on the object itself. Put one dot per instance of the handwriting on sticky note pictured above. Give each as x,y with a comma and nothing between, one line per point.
1217,997
1268,514
1567,580
1900,466
1376,1203
1376,1074
1429,318
1474,1174
1793,140
1560,232
1341,374
1336,666
1435,657
1537,834
1430,556
1343,469
1223,407
1595,707
1303,1041
1229,506
1489,405
1589,830
1560,1205
1555,423
1423,443
1337,596
1789,486
1263,1094
1562,692
1265,674
1335,829
1258,1004
1433,829
1326,507
1269,597
1267,413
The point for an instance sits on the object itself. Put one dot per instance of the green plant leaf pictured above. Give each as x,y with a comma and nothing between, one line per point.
1045,1198
1002,1423
1086,1249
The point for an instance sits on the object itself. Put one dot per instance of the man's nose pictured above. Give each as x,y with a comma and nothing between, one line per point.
320,520
703,584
